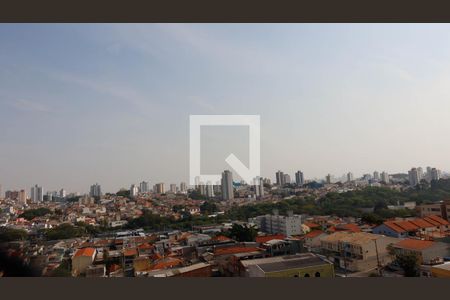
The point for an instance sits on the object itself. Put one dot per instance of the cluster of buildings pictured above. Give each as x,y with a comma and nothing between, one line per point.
287,245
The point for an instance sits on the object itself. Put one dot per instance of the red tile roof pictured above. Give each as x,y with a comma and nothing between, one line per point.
168,262
407,225
234,250
394,226
85,252
422,223
313,234
348,227
311,224
413,244
439,220
265,239
431,221
221,238
130,252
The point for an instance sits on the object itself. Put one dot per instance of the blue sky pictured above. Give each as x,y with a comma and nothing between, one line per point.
110,103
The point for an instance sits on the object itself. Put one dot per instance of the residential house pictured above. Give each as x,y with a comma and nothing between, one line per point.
82,259
357,251
428,252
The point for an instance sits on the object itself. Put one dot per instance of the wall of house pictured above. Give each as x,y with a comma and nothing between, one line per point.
326,270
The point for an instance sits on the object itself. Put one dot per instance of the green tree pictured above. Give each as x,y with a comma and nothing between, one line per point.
409,263
10,234
30,214
242,233
208,207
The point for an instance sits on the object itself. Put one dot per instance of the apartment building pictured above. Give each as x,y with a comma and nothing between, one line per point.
277,224
357,251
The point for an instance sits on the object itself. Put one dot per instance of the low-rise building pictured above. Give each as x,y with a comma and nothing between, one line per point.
82,259
298,265
357,251
428,252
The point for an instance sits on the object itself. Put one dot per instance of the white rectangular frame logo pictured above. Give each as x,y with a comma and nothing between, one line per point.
247,174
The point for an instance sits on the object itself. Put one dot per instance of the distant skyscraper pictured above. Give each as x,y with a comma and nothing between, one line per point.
202,188
421,175
414,177
37,194
299,179
134,190
159,188
209,190
328,179
1,191
22,197
144,187
280,178
349,176
96,190
62,193
287,179
49,196
385,177
183,187
259,187
435,174
376,176
227,185
173,188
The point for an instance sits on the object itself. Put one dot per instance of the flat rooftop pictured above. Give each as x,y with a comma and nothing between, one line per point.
280,263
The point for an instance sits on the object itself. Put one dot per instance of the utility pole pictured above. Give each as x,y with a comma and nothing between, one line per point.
378,258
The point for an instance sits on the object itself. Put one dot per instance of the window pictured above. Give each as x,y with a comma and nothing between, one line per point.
296,275
317,274
306,275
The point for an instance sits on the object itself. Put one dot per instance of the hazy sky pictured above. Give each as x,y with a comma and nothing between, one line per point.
81,104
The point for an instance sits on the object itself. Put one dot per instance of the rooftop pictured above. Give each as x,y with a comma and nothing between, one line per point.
85,252
414,244
280,263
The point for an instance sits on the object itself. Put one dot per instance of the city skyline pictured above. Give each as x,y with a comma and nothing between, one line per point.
110,103
430,173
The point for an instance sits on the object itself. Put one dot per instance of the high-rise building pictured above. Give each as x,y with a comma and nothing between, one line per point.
134,190
414,177
22,197
421,175
37,194
49,196
280,178
227,185
1,191
376,176
385,177
435,174
328,179
349,176
209,190
62,193
12,195
144,187
159,188
259,187
287,179
183,187
173,188
96,190
299,179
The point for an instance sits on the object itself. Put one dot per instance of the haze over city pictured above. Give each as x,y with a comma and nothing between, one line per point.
81,104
